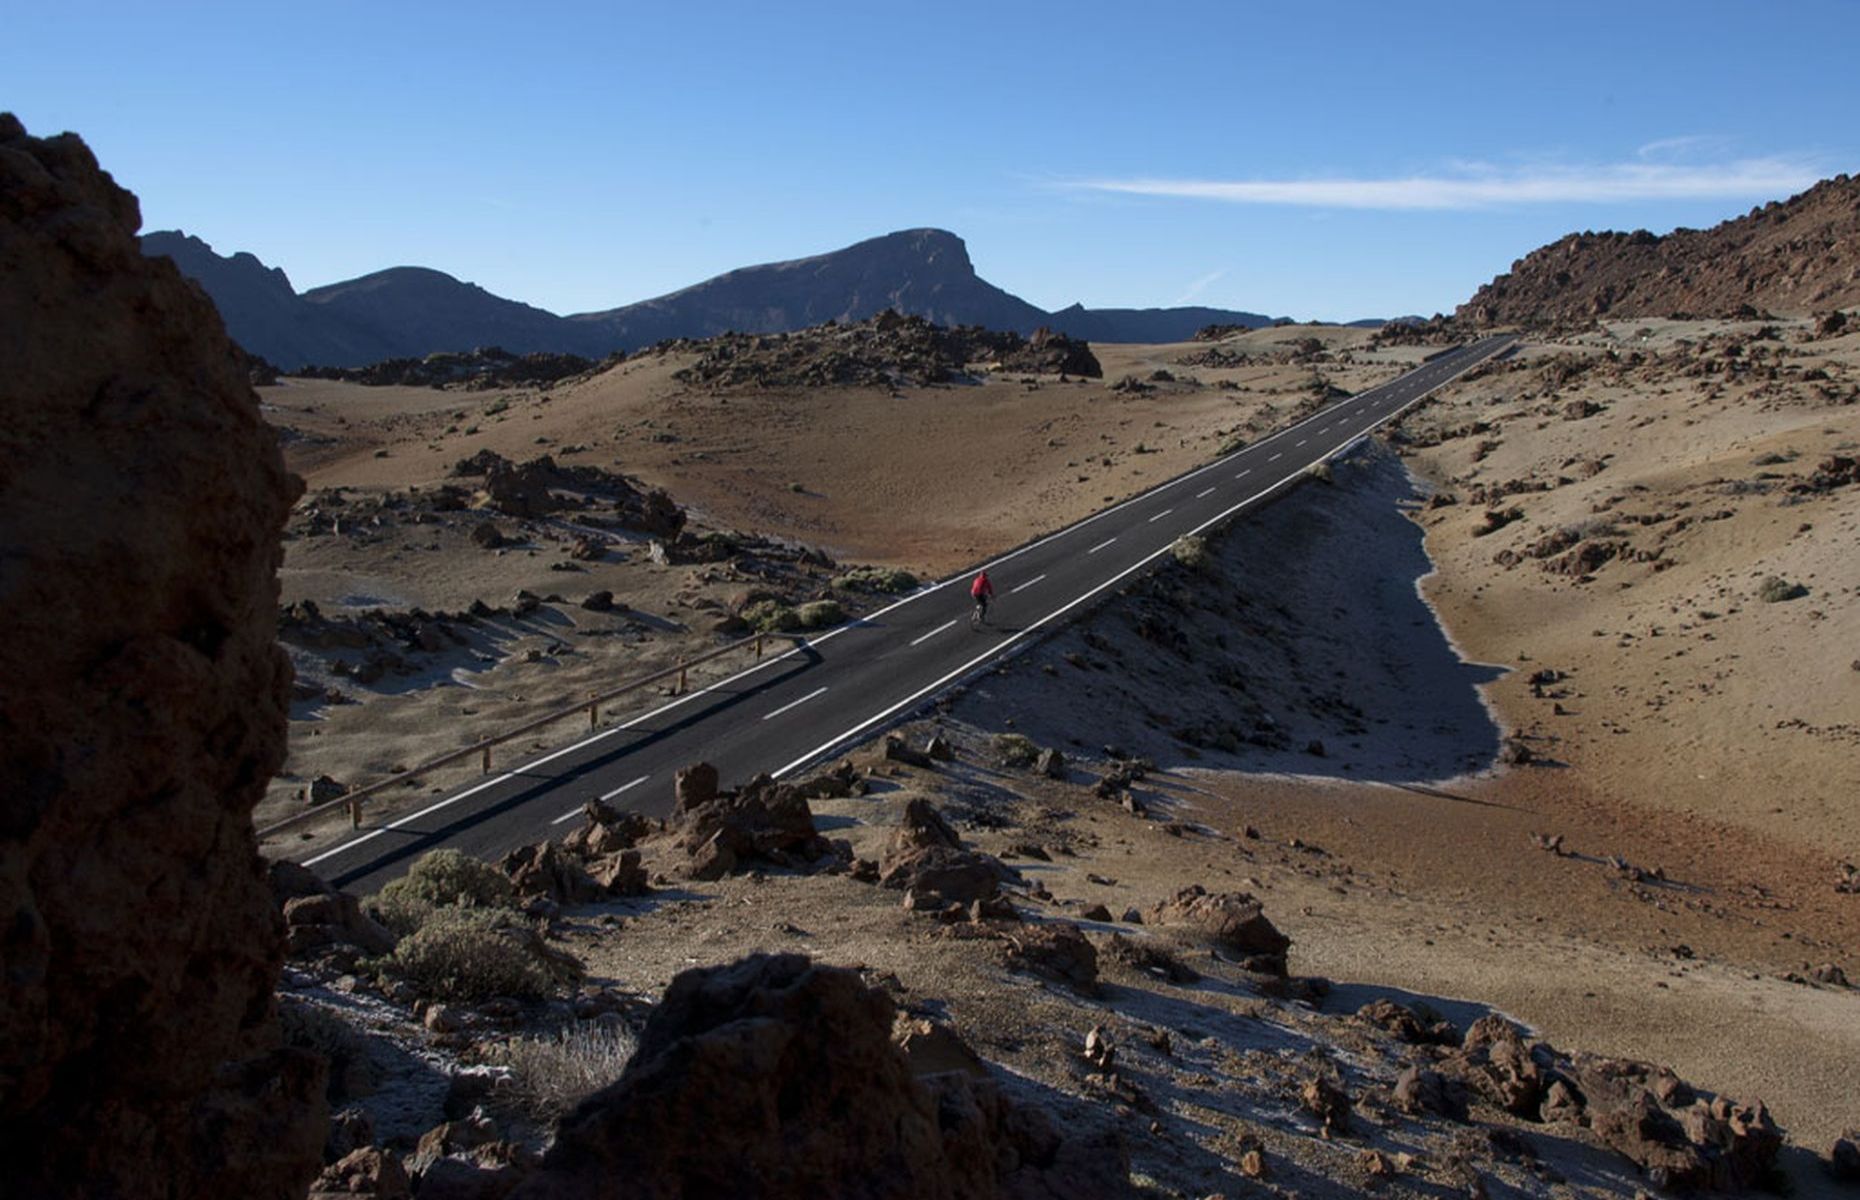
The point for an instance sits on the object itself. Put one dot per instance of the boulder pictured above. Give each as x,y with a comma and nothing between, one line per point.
601,601
1058,951
926,859
1421,1090
363,1172
1844,1157
488,536
790,1072
1683,1140
1051,764
1327,1102
144,709
761,822
522,490
1497,1063
545,871
934,1048
1402,1023
1234,921
621,874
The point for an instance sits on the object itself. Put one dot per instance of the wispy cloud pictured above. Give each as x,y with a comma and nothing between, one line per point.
1470,187
1199,286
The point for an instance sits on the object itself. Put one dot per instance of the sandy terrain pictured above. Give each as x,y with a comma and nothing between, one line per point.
1695,728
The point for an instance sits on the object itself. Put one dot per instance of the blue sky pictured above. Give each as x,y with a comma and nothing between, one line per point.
1355,160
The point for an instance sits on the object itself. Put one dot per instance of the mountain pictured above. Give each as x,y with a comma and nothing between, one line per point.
409,312
920,272
263,312
1794,256
417,311
1147,324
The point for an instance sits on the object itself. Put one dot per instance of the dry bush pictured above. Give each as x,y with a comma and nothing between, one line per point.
1015,750
549,1076
1192,552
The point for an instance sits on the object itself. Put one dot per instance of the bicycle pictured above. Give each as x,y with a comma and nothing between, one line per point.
978,616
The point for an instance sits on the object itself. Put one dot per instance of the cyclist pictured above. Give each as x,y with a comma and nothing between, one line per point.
982,590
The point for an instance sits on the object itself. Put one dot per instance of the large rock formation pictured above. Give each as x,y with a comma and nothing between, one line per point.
141,499
1796,256
778,1079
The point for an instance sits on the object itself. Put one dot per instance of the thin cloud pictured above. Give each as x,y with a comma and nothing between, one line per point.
1199,286
1493,188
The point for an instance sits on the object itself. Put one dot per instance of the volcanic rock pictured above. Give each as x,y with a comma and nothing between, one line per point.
789,1070
1234,921
144,709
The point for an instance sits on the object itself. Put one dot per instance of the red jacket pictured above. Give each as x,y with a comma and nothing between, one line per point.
982,586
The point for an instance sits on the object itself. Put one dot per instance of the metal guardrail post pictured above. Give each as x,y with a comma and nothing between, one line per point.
487,760
355,812
594,714
683,684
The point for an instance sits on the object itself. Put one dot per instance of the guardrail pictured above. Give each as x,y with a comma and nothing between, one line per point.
352,799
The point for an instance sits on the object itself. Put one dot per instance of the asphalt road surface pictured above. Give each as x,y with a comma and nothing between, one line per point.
798,708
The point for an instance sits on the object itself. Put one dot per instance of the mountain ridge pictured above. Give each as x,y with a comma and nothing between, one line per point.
1797,256
411,311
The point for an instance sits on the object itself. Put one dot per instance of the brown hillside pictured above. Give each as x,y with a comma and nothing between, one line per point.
1796,256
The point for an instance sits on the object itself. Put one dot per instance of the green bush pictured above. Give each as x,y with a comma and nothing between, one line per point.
1015,750
876,579
474,954
439,879
772,616
820,614
1776,589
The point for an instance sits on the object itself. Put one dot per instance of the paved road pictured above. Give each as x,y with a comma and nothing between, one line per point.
797,709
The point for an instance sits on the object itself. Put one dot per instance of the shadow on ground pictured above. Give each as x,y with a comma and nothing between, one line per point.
1301,646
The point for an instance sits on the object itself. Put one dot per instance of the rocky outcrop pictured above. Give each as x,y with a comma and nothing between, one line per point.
926,860
789,1071
141,502
887,350
1682,1138
763,822
1234,921
1797,256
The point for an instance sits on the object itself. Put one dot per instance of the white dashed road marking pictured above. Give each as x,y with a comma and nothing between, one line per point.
926,637
1159,516
1023,587
794,703
1203,492
1100,545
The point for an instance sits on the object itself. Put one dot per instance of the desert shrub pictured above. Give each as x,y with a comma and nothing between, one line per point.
1191,552
772,616
820,614
550,1075
1015,750
1321,472
1775,589
473,954
439,879
307,1026
876,579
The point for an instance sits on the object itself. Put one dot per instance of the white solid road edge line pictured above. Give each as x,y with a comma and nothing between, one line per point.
917,595
998,648
793,704
572,813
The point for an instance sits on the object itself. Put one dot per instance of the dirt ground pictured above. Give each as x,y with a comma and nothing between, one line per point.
1690,726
